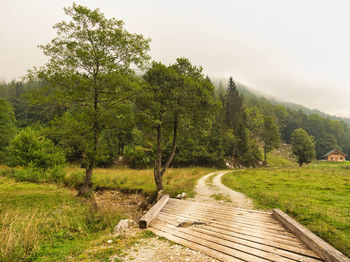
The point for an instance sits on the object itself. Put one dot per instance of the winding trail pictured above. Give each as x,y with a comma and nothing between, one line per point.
215,192
156,250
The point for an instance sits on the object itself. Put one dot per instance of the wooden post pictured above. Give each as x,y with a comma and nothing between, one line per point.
318,245
153,212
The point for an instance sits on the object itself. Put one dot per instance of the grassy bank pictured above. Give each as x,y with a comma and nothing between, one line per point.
317,195
175,180
47,222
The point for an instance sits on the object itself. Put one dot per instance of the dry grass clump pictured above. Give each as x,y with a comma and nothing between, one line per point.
19,233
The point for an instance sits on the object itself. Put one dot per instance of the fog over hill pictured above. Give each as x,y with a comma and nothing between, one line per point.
251,93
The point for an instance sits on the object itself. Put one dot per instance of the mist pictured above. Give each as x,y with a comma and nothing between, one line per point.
297,51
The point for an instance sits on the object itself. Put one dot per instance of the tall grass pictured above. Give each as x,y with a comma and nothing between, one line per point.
48,223
19,234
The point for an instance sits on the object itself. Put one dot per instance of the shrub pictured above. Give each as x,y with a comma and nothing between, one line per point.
29,148
27,174
138,157
56,174
34,174
75,180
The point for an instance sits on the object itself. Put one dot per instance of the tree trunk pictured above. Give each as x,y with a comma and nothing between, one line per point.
300,164
85,187
265,161
168,162
158,172
158,160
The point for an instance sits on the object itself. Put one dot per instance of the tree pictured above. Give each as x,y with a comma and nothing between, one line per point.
270,136
233,110
175,95
29,147
303,146
7,126
89,72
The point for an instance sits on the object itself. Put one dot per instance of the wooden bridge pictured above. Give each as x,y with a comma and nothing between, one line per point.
233,234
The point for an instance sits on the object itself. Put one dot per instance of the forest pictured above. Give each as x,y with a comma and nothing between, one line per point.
212,143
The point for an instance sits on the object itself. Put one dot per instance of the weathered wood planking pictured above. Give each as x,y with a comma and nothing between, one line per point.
229,234
318,245
153,212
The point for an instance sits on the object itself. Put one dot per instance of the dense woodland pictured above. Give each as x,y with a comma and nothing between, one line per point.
209,145
87,105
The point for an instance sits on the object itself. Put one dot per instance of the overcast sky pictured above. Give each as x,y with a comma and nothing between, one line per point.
298,51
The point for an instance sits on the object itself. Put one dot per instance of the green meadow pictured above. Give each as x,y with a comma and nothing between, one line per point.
47,222
316,195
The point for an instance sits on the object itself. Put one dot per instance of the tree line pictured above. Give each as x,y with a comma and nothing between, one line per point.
87,104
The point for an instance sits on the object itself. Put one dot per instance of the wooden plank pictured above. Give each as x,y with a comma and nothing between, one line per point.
322,248
232,251
193,245
227,212
173,201
297,253
244,231
260,226
232,218
218,239
147,218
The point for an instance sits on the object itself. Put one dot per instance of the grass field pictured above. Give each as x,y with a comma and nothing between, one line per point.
317,195
47,222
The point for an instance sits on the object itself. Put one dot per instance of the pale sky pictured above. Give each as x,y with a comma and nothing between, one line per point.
296,50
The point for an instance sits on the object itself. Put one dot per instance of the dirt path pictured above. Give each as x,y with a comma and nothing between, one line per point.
209,189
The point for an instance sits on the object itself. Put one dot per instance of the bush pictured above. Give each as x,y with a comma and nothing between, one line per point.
56,174
34,174
138,157
29,148
75,180
27,174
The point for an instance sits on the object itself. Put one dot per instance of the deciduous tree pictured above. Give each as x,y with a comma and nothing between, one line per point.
303,146
90,72
174,95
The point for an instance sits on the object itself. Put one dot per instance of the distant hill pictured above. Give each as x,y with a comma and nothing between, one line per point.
250,93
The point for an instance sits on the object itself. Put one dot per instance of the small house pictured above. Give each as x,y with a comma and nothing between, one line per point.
335,155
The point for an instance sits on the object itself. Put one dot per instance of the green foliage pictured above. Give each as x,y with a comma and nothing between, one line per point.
35,174
30,148
270,135
89,72
303,146
232,108
139,157
175,98
75,180
247,151
7,127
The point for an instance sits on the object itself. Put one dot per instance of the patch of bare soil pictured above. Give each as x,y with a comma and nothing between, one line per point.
131,205
158,250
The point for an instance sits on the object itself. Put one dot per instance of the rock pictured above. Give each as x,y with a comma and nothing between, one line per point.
183,195
178,196
123,226
160,194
